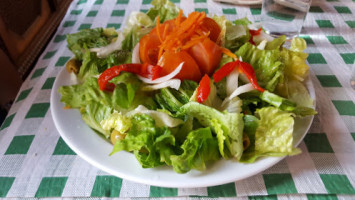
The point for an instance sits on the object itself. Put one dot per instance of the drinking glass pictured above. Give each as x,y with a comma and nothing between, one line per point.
352,77
284,17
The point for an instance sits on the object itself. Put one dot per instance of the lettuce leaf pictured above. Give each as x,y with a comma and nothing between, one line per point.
93,66
273,136
227,126
151,145
266,63
242,21
232,35
276,43
165,9
172,100
93,113
132,38
116,121
90,38
198,148
77,96
302,109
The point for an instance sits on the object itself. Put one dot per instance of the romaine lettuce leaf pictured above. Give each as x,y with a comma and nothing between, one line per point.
273,136
165,9
227,126
151,145
232,35
161,118
303,109
93,66
199,147
116,121
171,100
266,63
93,113
276,43
90,38
121,98
242,21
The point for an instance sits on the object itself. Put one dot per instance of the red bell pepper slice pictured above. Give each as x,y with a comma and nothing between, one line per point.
242,67
145,70
252,34
203,89
249,72
224,71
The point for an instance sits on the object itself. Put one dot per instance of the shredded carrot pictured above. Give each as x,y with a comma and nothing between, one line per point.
229,53
66,107
178,19
194,41
184,35
160,52
166,28
158,29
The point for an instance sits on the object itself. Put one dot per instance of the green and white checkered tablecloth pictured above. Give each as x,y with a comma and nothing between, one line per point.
35,162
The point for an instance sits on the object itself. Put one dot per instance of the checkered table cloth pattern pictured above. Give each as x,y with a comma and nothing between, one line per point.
35,162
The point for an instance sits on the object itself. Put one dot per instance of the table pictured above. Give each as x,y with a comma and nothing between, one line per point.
35,162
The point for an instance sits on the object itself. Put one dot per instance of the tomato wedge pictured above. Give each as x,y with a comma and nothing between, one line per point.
207,55
149,49
212,27
170,60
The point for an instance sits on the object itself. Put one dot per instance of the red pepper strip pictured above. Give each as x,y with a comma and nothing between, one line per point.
203,89
150,71
243,67
224,71
145,70
249,72
114,71
252,34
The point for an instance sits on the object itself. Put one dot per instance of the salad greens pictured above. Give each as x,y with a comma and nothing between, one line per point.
167,126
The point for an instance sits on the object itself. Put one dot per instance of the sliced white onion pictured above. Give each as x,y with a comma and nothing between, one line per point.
161,118
135,54
102,52
172,83
255,26
240,90
164,78
262,36
232,81
73,79
262,45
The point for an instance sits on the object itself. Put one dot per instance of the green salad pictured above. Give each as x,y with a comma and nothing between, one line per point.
186,91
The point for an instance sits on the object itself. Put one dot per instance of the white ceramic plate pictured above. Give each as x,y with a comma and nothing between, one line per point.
94,149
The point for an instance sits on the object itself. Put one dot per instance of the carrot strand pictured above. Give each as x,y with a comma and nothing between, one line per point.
158,29
166,27
229,53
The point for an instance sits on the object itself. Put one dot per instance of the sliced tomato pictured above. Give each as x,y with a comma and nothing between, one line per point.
207,54
170,60
149,44
149,49
212,27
